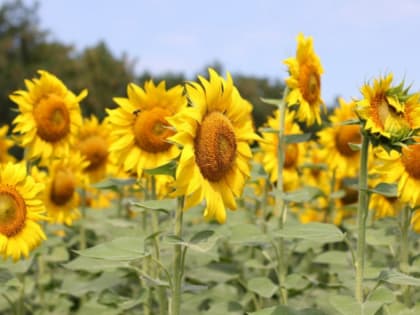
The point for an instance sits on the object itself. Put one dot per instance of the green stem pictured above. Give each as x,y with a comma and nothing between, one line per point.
41,271
404,253
82,230
21,303
161,291
362,212
280,204
178,272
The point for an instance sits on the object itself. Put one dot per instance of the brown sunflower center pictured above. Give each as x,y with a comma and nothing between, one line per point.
411,160
63,187
215,146
291,156
151,130
310,83
344,136
95,149
52,118
12,211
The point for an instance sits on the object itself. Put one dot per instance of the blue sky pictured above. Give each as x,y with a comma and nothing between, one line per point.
356,40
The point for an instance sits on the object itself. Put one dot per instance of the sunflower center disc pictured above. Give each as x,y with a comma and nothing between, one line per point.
52,119
290,158
215,146
411,160
344,136
12,211
151,130
310,84
63,187
96,151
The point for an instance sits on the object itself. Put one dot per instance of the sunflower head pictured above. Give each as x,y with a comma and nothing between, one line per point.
49,116
20,210
388,113
140,127
305,71
214,134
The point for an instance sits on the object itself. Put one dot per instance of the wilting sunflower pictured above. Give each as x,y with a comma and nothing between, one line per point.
293,155
335,140
388,110
5,145
140,127
93,142
402,168
215,133
305,81
61,198
49,116
20,210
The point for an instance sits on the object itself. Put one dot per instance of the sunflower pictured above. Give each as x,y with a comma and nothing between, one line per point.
49,116
305,81
402,168
93,143
215,133
61,198
388,110
384,206
20,210
335,141
293,155
140,127
5,145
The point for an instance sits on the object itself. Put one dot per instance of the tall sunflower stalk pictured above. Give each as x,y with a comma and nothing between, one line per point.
404,250
178,261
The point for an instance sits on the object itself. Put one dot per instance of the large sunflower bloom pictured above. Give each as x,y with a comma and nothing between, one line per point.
293,156
335,141
5,145
20,209
93,142
60,197
49,116
140,127
305,81
215,134
388,110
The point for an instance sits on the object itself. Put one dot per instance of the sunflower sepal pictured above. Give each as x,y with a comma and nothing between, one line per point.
167,169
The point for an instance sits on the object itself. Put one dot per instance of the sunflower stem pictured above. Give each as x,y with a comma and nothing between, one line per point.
161,291
40,273
362,212
280,204
178,272
82,230
404,253
21,303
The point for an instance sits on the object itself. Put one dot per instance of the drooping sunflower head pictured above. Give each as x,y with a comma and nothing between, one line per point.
93,142
305,71
388,112
5,145
336,139
140,127
61,198
292,157
215,133
20,210
49,116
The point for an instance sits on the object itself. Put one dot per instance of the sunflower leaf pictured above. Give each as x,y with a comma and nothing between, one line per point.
164,205
314,231
396,277
297,138
302,195
114,183
271,101
167,169
385,189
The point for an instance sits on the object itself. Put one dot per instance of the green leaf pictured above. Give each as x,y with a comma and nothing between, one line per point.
120,249
355,146
167,169
201,236
268,130
262,286
21,266
396,277
385,189
248,234
383,295
77,286
94,265
285,310
164,205
58,254
333,257
203,243
297,138
307,193
314,231
271,101
347,305
354,121
114,183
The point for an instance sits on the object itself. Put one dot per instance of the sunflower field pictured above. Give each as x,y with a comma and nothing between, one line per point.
175,203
